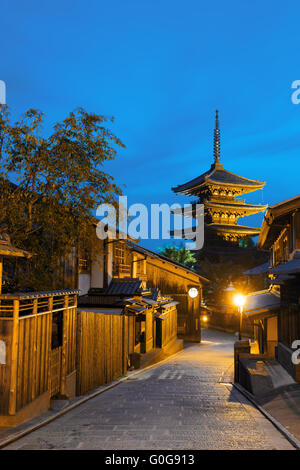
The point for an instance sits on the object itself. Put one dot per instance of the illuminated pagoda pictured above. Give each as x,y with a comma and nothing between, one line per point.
217,190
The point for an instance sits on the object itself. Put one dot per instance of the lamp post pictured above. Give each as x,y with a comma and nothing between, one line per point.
194,320
239,301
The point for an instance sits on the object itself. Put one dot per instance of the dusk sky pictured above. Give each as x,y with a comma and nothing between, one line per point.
162,68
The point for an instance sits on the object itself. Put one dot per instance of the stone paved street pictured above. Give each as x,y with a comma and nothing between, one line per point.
185,403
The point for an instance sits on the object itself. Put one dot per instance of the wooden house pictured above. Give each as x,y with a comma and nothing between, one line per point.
276,311
121,258
173,280
151,319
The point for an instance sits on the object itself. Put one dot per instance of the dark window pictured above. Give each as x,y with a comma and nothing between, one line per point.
57,330
138,330
84,265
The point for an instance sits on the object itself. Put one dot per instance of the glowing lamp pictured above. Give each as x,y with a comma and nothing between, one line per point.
193,292
239,300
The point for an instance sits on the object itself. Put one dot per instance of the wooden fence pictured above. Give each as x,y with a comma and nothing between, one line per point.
30,366
49,348
166,326
102,343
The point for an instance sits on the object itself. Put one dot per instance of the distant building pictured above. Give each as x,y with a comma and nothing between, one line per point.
217,189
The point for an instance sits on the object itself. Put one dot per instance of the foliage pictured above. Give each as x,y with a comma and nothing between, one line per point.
60,180
227,270
247,243
179,254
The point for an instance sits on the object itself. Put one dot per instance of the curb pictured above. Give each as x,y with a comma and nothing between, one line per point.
292,439
33,428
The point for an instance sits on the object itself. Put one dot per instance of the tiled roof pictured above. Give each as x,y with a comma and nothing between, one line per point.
291,267
233,228
262,268
216,174
260,301
125,286
7,249
146,251
31,295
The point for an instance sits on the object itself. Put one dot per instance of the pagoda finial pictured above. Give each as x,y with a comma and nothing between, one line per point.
217,139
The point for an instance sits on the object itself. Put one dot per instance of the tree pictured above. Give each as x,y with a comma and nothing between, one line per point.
60,181
247,243
179,254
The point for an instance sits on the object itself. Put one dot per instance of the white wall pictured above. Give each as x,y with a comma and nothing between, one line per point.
84,283
97,272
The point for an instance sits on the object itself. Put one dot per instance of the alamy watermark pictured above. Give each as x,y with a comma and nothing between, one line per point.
296,354
296,94
136,222
2,92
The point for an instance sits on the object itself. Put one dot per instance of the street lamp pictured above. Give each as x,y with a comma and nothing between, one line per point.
239,301
193,292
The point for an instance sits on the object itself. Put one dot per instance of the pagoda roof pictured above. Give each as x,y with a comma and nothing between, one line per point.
219,176
232,205
254,208
226,228
240,229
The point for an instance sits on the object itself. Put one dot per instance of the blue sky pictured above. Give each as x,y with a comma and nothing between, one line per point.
161,68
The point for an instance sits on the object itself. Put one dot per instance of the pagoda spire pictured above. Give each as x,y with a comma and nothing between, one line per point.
217,139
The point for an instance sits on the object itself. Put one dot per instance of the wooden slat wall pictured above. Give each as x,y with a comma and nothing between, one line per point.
100,357
32,358
149,330
5,369
31,368
169,326
71,340
55,367
175,282
131,334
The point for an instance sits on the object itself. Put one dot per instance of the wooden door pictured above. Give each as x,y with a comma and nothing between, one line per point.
55,370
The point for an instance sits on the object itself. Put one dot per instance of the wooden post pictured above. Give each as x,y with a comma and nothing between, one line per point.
64,347
34,381
14,359
50,309
78,350
124,342
1,271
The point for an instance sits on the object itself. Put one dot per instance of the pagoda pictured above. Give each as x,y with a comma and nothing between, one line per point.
217,190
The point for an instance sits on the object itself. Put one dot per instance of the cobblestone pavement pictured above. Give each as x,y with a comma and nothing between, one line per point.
184,403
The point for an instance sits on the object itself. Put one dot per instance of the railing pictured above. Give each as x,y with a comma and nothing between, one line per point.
35,303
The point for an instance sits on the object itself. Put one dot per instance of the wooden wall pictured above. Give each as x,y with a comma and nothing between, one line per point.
175,282
31,366
6,328
34,345
100,349
169,326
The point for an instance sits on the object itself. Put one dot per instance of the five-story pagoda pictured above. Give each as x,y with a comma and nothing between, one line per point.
217,190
